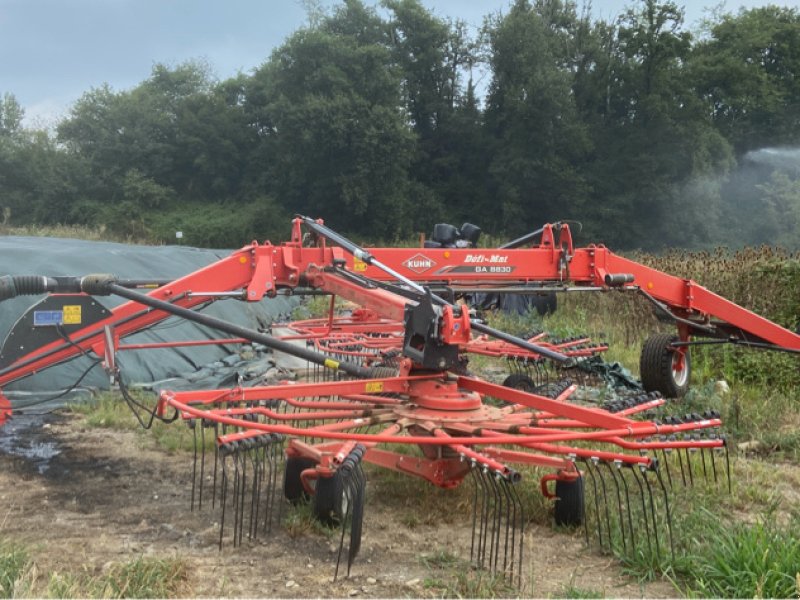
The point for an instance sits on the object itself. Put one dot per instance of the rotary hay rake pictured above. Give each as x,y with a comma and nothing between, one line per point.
389,387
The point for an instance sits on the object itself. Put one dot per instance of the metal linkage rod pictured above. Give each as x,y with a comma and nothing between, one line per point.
243,332
365,256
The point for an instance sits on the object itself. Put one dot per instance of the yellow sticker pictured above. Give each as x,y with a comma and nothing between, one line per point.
359,265
72,315
374,387
331,364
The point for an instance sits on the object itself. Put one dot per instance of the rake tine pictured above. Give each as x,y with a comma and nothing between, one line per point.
345,517
194,461
272,455
202,462
255,494
666,466
703,458
596,504
619,506
497,513
358,516
669,514
727,465
713,464
689,467
605,505
652,511
346,485
680,460
504,484
644,510
224,493
518,504
216,461
484,519
473,478
628,509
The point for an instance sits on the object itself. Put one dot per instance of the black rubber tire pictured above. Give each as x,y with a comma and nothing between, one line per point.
656,367
520,381
545,304
569,509
330,505
293,488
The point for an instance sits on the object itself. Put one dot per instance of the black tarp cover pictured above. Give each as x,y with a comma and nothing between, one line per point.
201,366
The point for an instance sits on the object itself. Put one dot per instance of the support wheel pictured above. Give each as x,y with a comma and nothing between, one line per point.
569,511
519,381
292,486
330,500
663,368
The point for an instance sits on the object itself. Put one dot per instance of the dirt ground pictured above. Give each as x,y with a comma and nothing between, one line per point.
82,497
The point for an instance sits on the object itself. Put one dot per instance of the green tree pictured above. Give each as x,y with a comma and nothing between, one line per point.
333,139
539,141
747,73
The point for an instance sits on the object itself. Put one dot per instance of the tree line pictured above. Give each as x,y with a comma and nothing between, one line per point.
373,118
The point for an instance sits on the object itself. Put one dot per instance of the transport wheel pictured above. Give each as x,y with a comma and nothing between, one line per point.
569,502
330,500
292,486
545,304
663,368
518,381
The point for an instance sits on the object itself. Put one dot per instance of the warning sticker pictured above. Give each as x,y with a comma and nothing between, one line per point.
72,315
359,266
374,387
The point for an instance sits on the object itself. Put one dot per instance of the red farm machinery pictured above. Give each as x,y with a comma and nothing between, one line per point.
389,384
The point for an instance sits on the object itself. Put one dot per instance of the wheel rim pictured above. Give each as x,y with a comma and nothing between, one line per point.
680,374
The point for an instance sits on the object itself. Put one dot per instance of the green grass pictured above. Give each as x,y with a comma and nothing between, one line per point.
139,578
16,570
453,577
143,577
739,560
109,410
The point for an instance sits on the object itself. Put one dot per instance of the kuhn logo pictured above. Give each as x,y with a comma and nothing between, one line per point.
418,263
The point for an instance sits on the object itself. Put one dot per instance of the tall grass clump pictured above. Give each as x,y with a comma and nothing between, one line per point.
15,569
746,561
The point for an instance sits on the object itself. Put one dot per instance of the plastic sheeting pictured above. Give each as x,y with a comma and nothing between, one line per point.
53,257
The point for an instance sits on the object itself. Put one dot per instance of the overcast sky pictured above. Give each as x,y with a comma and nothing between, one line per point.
52,51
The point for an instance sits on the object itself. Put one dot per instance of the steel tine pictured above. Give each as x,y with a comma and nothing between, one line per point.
255,491
628,510
473,478
346,491
669,514
194,461
703,458
497,513
605,506
635,472
596,504
484,518
235,490
680,460
728,466
666,466
611,472
202,462
653,511
224,493
504,485
689,466
216,461
713,461
358,515
521,520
